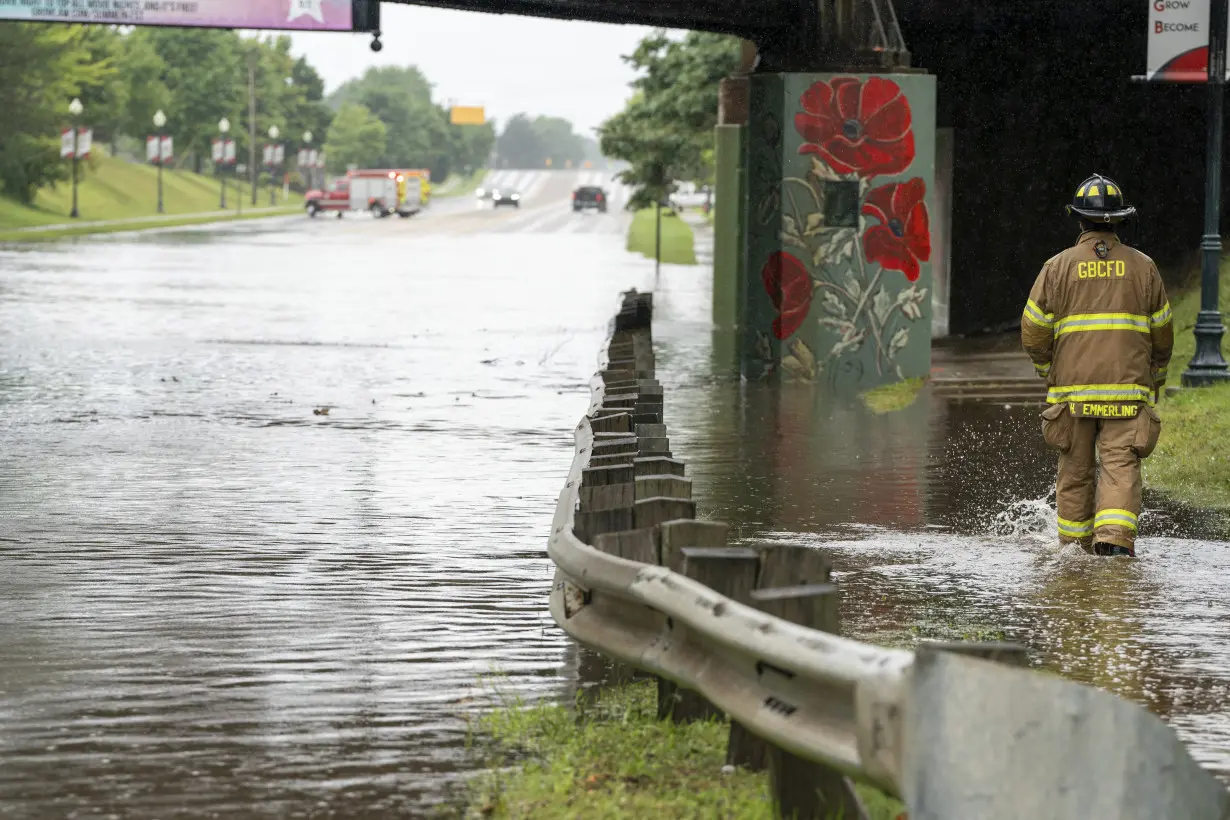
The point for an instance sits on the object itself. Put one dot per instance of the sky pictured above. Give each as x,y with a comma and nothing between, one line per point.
505,63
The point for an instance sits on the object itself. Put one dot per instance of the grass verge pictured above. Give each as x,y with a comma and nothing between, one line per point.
1192,459
112,189
615,759
677,247
89,229
893,397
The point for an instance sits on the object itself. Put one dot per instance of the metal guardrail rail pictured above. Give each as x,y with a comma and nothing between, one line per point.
956,737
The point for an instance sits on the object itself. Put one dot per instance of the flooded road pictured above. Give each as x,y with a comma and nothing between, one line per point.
218,601
940,524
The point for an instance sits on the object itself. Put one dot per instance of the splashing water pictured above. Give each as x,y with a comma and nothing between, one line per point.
1029,518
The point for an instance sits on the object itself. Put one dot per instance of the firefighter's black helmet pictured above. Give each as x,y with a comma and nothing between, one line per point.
1100,199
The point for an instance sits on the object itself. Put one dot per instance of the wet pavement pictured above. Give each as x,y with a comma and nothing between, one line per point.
219,601
940,524
216,600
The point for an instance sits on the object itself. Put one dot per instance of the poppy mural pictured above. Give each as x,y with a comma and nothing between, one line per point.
840,169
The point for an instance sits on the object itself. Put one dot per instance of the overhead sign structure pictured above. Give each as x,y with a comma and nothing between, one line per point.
1178,41
468,115
291,15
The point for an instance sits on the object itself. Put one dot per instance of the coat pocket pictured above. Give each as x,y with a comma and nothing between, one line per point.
1148,430
1057,427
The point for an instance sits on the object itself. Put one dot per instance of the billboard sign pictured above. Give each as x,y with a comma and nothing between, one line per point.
290,15
1178,41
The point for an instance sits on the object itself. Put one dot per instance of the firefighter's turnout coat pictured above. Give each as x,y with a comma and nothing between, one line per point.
1098,328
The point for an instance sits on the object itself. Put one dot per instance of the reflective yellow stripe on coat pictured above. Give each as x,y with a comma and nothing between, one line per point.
1034,314
1162,317
1079,322
1100,392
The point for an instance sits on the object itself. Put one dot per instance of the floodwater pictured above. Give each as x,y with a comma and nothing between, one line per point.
219,601
940,520
215,602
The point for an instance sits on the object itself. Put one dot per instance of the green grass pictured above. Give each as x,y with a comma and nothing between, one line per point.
615,759
893,397
1192,459
676,237
113,189
459,185
1186,304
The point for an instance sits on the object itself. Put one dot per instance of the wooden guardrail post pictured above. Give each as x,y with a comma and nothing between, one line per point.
730,572
803,790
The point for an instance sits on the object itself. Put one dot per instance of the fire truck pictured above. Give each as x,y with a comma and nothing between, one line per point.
379,192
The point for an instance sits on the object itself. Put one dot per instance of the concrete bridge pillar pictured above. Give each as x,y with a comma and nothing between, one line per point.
839,192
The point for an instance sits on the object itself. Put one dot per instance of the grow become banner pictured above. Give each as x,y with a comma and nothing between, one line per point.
319,15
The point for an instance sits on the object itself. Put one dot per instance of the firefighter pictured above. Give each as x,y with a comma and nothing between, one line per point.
1098,328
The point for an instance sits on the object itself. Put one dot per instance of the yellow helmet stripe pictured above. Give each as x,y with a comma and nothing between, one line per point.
1081,192
1095,190
1111,190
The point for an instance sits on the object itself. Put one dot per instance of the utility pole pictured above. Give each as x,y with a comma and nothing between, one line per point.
252,167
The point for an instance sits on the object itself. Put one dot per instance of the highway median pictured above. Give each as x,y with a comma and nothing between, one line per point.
677,240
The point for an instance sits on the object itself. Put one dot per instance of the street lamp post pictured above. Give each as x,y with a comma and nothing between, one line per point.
224,125
307,141
75,108
273,164
1208,366
160,121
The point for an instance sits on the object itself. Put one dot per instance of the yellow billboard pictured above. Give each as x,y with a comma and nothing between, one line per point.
468,115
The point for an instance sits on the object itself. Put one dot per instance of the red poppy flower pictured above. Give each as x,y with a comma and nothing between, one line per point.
857,127
789,286
903,237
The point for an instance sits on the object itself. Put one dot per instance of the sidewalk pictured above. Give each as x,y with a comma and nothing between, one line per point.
985,368
702,236
151,221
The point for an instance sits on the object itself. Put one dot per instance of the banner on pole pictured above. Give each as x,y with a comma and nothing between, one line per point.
229,153
151,149
85,141
279,154
1178,41
66,144
267,155
216,145
168,150
320,161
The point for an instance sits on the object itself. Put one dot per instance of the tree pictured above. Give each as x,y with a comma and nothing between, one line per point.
41,69
142,68
665,132
356,137
203,75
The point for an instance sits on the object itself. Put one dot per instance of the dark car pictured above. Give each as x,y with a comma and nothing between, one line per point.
505,196
589,196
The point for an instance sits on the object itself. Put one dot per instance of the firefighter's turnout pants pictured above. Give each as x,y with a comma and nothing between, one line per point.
1101,508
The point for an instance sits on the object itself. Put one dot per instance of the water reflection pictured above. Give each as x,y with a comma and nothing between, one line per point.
941,526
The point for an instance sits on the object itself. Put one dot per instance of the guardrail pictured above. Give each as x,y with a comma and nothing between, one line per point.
750,631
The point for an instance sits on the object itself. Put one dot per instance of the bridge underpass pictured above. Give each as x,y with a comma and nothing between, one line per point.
1031,98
